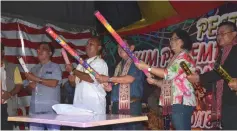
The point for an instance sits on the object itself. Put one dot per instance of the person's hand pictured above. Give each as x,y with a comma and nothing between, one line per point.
101,78
233,84
5,96
149,75
151,80
141,65
200,94
69,68
32,85
31,77
193,78
107,87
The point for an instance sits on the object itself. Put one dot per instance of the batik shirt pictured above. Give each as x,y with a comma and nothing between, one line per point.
181,89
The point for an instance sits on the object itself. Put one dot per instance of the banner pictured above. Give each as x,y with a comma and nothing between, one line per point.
22,38
153,48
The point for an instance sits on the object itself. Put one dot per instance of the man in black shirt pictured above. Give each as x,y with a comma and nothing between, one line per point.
227,40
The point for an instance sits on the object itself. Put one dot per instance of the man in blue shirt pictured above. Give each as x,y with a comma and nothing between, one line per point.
44,79
126,96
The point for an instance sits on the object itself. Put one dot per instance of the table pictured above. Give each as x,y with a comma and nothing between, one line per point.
82,121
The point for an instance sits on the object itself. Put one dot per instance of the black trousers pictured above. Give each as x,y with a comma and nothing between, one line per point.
229,116
5,125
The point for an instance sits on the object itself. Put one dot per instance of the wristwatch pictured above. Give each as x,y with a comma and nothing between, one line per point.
110,80
149,69
40,81
74,69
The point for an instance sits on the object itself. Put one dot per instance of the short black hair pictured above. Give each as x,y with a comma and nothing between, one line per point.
184,36
229,24
50,46
98,38
129,40
2,47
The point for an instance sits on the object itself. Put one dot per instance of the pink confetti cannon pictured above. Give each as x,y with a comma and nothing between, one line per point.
65,57
71,51
117,38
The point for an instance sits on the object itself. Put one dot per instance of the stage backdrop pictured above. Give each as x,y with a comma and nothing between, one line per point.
21,38
153,48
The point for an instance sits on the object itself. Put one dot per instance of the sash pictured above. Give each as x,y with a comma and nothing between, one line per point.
166,97
124,89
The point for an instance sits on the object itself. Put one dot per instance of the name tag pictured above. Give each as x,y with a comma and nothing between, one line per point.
48,72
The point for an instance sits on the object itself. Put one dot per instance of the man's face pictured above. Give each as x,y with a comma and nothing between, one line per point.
122,53
92,47
225,35
43,52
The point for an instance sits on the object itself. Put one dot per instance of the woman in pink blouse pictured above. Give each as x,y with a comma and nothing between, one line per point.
183,98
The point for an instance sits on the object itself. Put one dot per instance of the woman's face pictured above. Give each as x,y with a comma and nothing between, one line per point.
175,43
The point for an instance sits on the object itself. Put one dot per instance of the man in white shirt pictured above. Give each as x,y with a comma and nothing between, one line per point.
11,84
89,93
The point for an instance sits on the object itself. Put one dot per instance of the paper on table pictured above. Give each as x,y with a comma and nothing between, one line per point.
69,109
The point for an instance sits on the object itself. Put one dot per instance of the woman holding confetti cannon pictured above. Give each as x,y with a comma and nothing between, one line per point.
182,91
127,94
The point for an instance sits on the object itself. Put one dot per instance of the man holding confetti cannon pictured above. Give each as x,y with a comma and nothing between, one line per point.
45,79
89,94
130,79
226,91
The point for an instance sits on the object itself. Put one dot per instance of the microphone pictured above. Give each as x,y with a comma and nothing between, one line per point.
188,72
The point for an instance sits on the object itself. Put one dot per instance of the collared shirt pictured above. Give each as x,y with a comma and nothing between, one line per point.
44,97
91,96
181,89
17,78
136,87
3,79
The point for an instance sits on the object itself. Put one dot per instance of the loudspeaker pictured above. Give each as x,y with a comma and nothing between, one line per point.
118,13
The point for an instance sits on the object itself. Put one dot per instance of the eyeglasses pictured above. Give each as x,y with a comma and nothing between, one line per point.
173,39
223,34
43,49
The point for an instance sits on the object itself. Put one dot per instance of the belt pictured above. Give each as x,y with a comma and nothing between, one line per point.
132,100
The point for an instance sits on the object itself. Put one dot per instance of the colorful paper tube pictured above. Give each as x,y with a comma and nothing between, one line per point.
23,64
101,18
223,73
188,72
71,51
65,57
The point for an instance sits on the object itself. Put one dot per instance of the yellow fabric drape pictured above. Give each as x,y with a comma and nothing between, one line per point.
17,76
152,11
